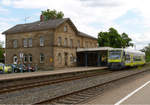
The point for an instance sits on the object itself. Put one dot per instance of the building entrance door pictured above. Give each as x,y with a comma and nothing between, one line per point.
66,59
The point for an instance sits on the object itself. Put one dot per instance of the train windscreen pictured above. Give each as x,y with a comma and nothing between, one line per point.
114,54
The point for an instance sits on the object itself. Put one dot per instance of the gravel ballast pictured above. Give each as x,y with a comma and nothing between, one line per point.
34,95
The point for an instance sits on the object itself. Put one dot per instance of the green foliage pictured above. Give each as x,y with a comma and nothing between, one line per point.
113,39
147,52
52,14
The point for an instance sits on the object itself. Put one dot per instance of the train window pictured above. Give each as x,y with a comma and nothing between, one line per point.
137,58
127,57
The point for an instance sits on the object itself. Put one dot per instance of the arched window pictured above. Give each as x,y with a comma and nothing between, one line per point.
30,58
15,59
41,58
59,41
71,58
65,29
41,41
66,42
71,43
59,58
30,42
25,58
15,43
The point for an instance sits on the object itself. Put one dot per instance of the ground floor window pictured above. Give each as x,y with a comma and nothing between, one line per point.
30,58
25,57
71,58
15,59
59,58
41,58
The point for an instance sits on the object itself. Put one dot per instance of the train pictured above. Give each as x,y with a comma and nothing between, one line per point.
119,58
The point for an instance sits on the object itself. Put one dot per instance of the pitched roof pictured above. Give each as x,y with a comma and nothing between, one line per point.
85,35
35,26
43,25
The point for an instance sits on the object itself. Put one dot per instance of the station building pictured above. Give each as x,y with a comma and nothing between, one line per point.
48,44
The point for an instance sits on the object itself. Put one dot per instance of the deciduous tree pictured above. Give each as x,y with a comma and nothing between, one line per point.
113,39
52,14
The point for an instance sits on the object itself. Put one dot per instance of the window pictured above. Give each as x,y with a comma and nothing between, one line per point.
59,41
30,42
136,58
66,42
15,43
71,43
41,58
25,43
15,59
25,58
59,58
65,28
41,41
30,58
78,44
71,58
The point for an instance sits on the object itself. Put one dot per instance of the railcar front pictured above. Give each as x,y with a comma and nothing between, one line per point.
115,59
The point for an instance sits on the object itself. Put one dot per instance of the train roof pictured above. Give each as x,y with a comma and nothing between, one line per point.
129,50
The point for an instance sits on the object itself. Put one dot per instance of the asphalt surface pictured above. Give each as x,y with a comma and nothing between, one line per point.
131,90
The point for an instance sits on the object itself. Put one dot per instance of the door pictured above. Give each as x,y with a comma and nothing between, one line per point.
66,59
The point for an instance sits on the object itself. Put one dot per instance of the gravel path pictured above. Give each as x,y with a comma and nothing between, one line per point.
30,96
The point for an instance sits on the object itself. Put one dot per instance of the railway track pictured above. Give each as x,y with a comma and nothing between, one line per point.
48,82
78,97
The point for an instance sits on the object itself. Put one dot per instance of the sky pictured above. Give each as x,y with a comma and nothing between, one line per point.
89,16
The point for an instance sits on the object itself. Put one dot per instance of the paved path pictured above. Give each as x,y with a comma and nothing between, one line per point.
51,72
132,91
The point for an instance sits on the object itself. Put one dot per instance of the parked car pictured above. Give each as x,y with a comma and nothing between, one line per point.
5,68
14,68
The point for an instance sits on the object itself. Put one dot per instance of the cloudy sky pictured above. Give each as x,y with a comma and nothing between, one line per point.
89,16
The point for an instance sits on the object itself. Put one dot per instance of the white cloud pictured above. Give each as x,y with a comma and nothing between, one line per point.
103,12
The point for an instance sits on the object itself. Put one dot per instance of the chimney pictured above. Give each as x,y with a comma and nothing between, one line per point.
41,18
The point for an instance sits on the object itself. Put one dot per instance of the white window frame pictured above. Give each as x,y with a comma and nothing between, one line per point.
15,59
59,41
41,41
29,58
66,42
30,42
59,58
25,58
65,28
71,43
15,43
25,43
42,55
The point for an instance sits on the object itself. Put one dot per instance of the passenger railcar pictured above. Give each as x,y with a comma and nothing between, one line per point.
120,58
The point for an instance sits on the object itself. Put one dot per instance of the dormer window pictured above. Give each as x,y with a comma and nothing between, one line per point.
65,28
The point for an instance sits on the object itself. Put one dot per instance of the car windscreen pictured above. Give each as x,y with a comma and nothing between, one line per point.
115,54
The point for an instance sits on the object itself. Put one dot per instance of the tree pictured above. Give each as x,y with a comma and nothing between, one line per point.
113,39
1,52
147,52
52,14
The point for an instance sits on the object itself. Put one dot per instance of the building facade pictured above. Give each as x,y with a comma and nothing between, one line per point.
48,44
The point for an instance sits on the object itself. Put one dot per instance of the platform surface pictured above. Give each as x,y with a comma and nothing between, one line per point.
51,72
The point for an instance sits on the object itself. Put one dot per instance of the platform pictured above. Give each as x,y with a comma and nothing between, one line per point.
44,73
